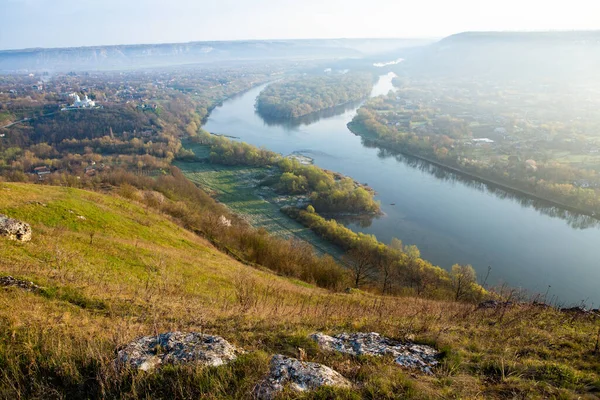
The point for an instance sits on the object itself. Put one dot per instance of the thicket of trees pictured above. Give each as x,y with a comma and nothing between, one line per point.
329,192
228,152
304,95
393,268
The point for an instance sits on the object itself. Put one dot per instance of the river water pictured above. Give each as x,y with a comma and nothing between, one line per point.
528,244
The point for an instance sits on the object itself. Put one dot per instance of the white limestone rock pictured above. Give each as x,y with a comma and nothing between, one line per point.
299,376
14,229
409,355
176,348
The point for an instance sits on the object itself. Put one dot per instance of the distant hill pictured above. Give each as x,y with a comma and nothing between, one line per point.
150,55
510,55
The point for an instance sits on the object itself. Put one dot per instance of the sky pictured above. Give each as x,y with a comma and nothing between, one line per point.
66,23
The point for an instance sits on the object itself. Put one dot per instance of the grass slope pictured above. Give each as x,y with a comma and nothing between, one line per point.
142,274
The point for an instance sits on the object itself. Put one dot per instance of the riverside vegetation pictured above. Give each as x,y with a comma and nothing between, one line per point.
530,136
328,192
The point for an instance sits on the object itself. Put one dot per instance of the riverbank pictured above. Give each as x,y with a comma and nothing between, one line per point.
359,131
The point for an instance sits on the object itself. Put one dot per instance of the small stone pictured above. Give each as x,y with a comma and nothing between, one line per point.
494,304
409,355
14,229
300,376
9,281
176,348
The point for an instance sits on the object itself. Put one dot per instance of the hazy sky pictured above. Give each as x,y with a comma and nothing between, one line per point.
59,23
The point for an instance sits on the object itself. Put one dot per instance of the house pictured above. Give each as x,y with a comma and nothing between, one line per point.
482,140
41,171
90,170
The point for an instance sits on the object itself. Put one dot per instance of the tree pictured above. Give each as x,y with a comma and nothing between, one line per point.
463,280
396,244
360,261
293,184
383,262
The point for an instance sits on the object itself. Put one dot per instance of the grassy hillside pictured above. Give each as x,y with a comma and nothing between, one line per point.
124,270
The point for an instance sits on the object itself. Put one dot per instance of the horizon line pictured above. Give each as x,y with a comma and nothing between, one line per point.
434,37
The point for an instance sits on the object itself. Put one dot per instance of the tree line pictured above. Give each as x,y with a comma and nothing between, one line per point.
393,268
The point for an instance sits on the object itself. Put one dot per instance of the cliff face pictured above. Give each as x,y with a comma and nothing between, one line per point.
152,55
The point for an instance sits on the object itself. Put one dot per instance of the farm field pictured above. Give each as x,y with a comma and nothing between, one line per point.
237,188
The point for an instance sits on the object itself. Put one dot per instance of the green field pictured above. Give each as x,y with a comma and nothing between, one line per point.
238,188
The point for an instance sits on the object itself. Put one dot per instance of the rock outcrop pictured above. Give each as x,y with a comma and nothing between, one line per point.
177,348
409,355
299,376
14,229
9,281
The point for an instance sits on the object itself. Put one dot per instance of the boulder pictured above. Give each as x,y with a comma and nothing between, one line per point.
299,376
176,348
14,229
409,355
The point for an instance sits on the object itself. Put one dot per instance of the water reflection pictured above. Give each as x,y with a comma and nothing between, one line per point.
293,123
574,219
364,221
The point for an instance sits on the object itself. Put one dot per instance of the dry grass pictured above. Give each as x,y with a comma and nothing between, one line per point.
142,274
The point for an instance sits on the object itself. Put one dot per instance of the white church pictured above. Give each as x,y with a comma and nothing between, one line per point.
78,103
85,103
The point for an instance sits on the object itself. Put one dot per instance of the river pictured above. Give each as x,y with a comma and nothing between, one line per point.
528,244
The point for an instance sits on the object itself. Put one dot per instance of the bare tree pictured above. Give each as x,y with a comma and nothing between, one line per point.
383,263
360,262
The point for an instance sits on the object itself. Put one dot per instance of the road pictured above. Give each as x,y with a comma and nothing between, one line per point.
26,119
